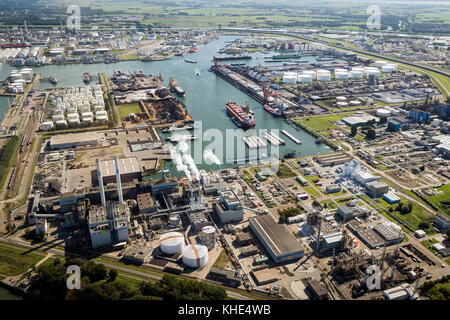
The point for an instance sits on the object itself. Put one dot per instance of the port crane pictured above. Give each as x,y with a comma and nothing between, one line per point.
267,94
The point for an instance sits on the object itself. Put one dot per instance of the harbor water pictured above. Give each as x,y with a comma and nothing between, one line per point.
206,93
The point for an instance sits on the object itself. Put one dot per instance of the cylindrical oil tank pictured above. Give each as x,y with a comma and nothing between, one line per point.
195,256
172,242
381,112
380,63
208,236
388,68
303,78
355,102
341,75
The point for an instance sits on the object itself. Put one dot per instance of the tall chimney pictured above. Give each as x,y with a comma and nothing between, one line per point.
100,183
119,183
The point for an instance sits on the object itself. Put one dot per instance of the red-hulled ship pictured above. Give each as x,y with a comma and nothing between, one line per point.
242,116
192,50
276,112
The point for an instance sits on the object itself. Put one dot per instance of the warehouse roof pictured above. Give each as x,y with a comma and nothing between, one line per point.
276,236
126,165
74,138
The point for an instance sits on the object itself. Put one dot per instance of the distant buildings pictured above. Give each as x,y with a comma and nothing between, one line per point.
345,212
419,115
377,189
442,222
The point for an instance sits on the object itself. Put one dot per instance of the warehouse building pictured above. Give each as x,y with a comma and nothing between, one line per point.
276,239
227,277
316,289
345,212
389,235
73,140
368,236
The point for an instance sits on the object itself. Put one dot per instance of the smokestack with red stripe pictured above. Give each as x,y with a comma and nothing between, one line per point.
119,183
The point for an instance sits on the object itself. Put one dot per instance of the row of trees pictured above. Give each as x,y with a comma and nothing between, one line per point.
97,283
436,290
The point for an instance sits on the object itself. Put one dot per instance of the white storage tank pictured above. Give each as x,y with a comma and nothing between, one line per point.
208,236
355,74
355,102
290,79
101,118
47,125
380,63
61,123
341,75
87,114
195,256
382,112
388,68
312,73
172,242
323,75
304,78
88,120
74,121
58,117
342,104
100,113
73,116
341,98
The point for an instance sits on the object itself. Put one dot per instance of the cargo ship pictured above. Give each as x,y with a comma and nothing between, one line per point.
287,56
241,116
175,88
276,112
87,77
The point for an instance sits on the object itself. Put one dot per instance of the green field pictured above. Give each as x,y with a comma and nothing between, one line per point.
126,109
15,261
222,260
323,124
439,199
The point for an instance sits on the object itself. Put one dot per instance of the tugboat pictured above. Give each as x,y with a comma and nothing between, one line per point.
319,141
193,50
290,154
276,112
53,80
87,77
197,73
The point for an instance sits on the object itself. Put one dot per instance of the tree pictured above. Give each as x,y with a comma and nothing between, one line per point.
448,234
424,225
112,275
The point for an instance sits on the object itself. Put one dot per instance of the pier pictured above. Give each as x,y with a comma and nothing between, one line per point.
291,137
254,142
276,137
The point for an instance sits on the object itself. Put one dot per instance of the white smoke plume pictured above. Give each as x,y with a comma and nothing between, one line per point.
209,155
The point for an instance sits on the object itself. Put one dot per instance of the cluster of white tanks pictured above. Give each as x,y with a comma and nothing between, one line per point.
194,255
71,103
385,66
12,53
19,79
386,112
290,77
306,76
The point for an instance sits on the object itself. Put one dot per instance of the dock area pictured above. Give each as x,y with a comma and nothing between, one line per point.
274,139
291,137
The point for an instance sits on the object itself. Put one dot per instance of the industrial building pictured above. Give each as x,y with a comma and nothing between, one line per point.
108,223
368,236
377,189
229,207
402,292
137,254
276,239
316,289
442,222
146,204
227,277
129,170
73,140
389,235
345,212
